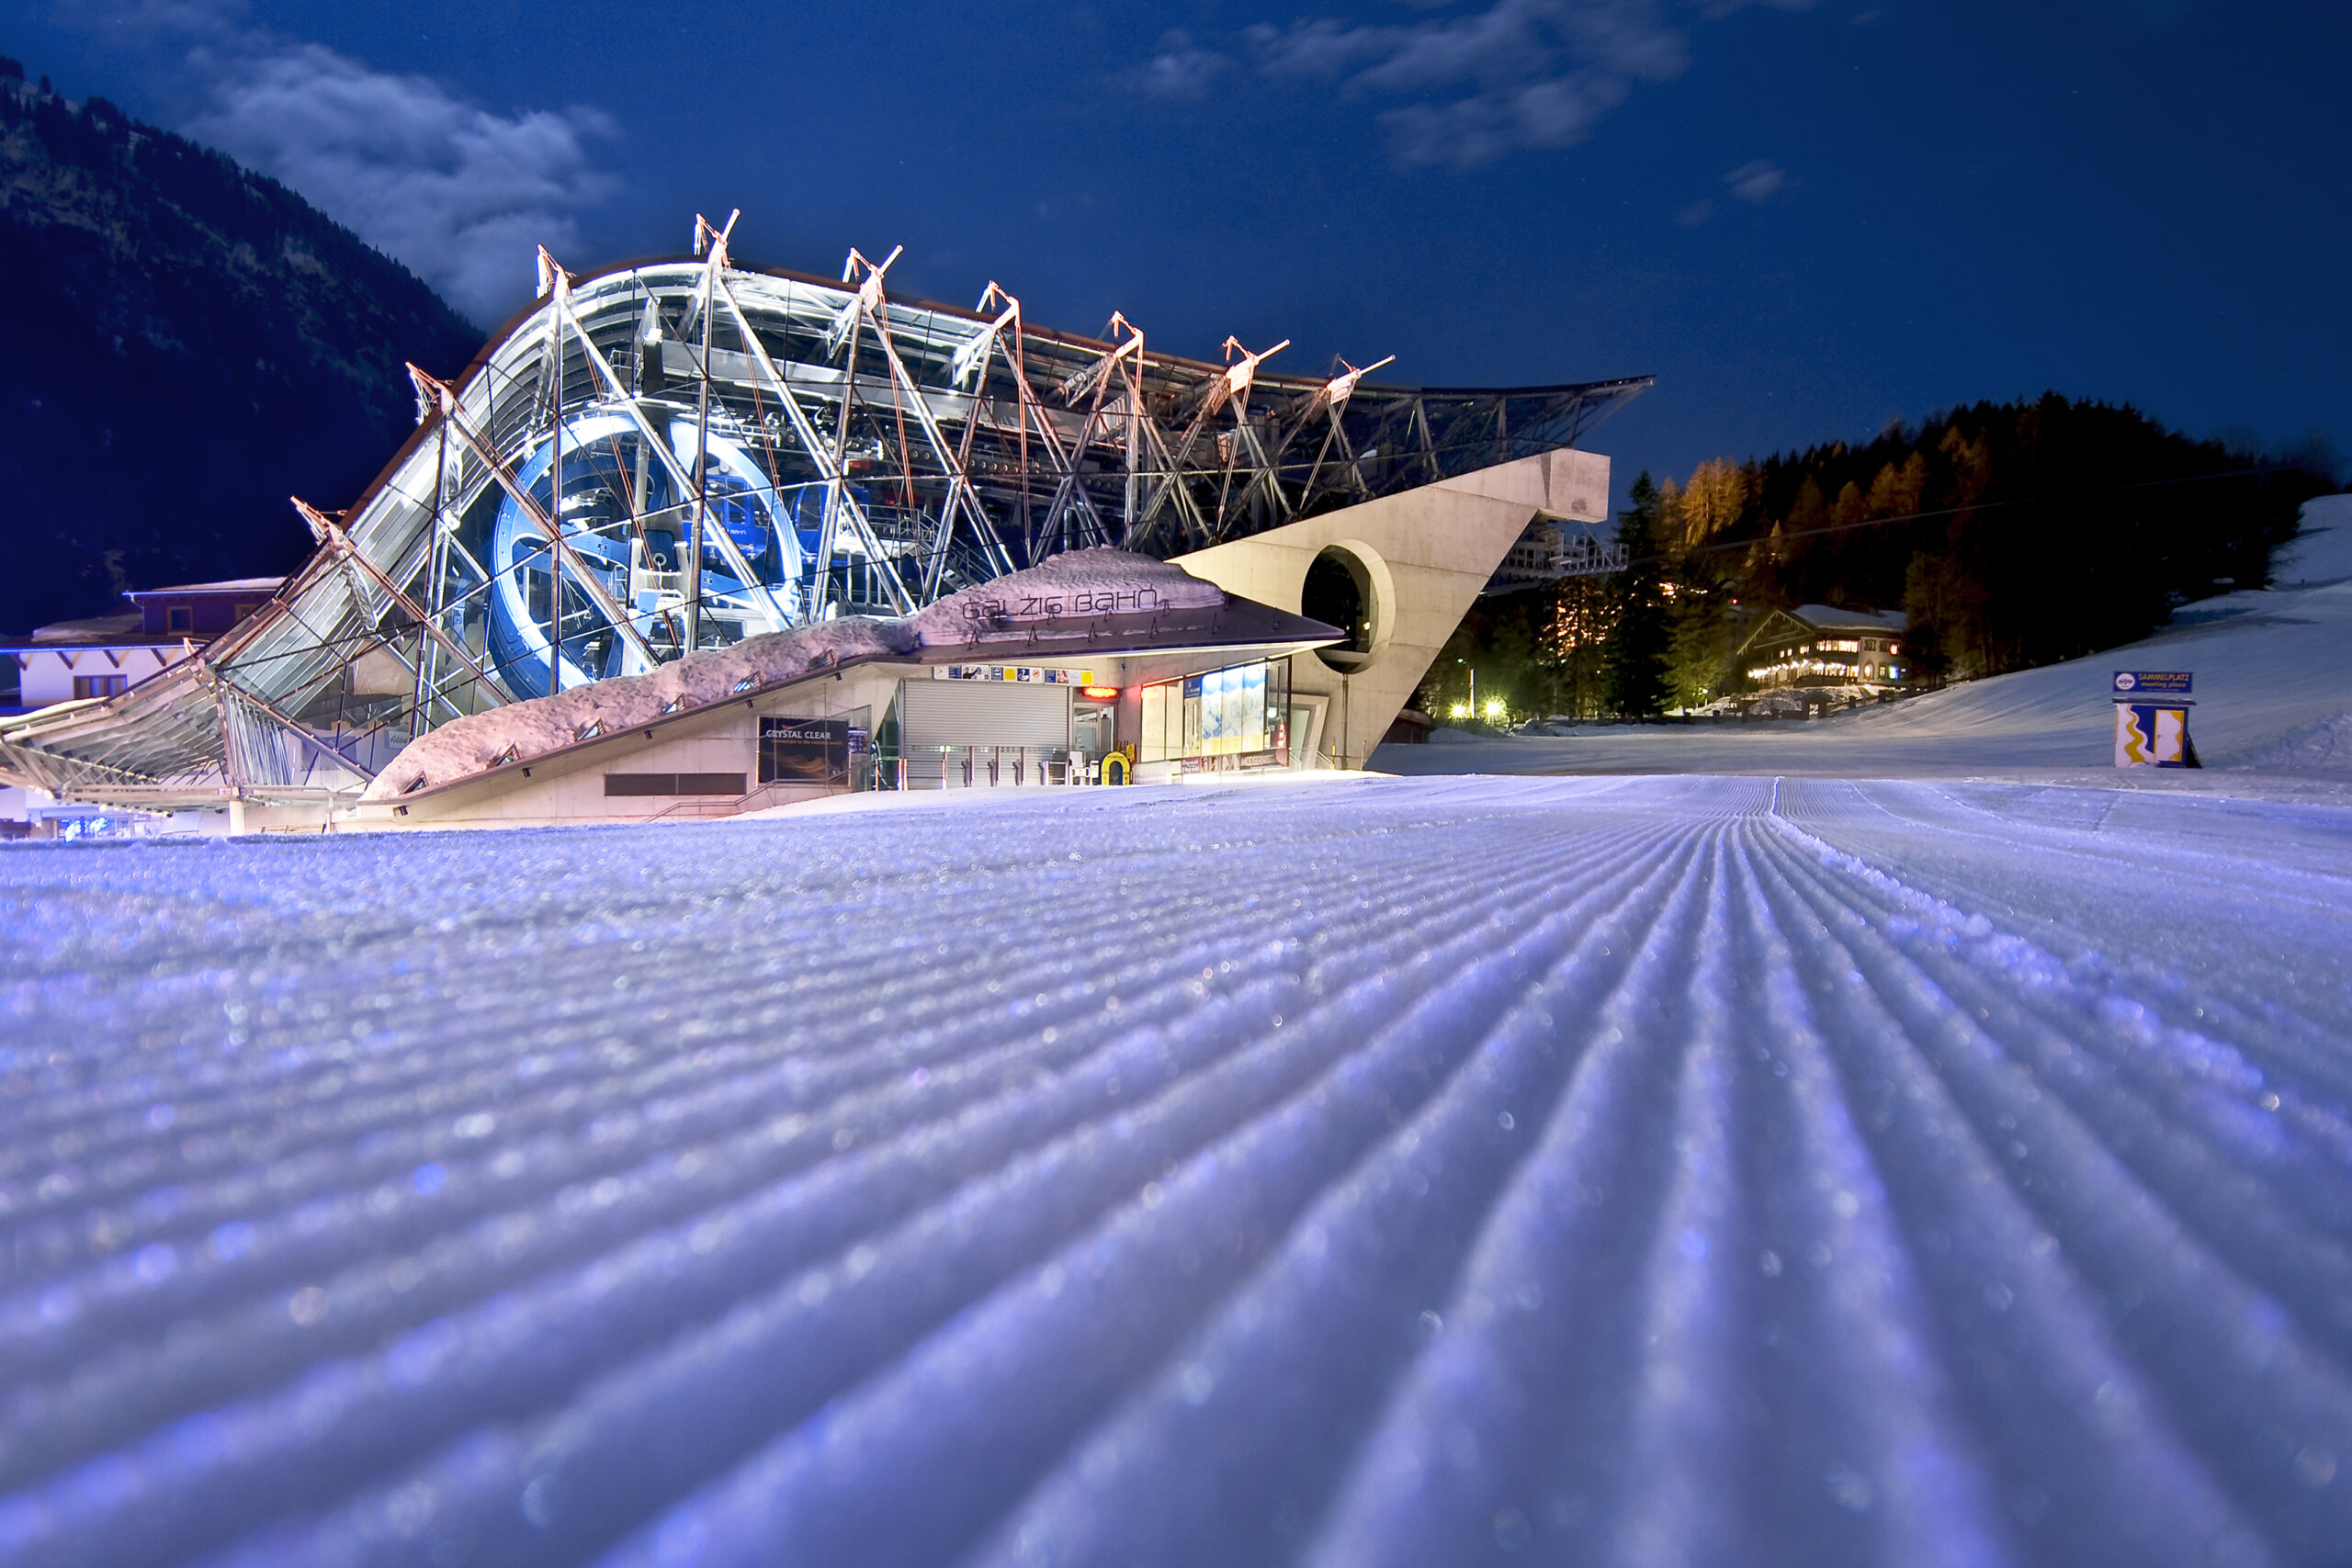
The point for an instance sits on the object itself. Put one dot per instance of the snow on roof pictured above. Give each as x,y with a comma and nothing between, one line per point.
1099,568
228,585
1063,584
98,631
1828,617
521,731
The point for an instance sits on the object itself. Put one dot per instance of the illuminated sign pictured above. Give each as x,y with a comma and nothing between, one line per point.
1100,693
1026,675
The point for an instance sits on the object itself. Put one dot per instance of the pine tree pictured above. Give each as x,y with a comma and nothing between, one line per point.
1847,510
1928,618
1809,510
1584,614
1700,643
1637,683
1711,502
1896,491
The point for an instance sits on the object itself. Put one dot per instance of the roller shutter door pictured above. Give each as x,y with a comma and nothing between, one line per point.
983,713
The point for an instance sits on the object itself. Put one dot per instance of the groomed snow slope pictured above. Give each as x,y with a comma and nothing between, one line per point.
2274,693
1356,1173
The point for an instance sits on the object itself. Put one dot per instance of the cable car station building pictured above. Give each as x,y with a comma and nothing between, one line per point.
690,539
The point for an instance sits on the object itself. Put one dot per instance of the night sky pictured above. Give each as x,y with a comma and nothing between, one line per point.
1807,220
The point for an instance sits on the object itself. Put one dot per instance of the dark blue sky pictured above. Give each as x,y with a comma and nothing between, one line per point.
1805,221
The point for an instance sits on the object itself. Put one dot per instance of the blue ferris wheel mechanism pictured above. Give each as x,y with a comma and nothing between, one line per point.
600,469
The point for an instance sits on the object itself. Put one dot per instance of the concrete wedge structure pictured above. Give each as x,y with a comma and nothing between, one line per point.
1415,562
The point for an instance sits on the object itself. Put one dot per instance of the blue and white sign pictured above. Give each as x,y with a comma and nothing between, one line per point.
2139,685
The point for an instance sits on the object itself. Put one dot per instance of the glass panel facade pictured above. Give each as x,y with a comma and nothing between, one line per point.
1239,711
1153,745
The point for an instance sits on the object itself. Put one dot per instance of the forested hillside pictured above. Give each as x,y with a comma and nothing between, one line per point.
188,345
2012,534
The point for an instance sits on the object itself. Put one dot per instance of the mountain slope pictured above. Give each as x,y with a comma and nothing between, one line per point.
189,344
2273,691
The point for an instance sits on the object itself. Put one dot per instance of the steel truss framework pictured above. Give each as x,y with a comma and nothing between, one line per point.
735,450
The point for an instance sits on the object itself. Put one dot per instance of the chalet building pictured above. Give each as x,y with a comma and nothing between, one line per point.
1816,645
108,655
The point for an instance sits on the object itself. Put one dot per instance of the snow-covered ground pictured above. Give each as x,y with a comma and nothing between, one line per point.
1357,1172
2274,707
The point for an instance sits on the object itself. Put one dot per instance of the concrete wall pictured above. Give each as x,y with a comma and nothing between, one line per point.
1429,551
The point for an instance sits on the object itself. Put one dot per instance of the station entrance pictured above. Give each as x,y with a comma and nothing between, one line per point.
958,733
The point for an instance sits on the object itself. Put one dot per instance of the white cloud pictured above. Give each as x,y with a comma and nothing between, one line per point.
460,195
1759,182
1476,86
1471,132
1755,184
1179,68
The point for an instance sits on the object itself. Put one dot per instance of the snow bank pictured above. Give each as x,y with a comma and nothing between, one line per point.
2324,747
1064,585
1423,1172
2320,554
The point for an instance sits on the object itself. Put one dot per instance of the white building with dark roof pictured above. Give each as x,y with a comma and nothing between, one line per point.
1820,645
105,656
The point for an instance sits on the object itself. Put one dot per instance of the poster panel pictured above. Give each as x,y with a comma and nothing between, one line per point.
2147,736
804,751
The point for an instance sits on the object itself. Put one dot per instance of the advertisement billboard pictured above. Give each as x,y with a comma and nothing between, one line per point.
804,751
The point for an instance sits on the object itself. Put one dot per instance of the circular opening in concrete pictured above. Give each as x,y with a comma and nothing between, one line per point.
1339,592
